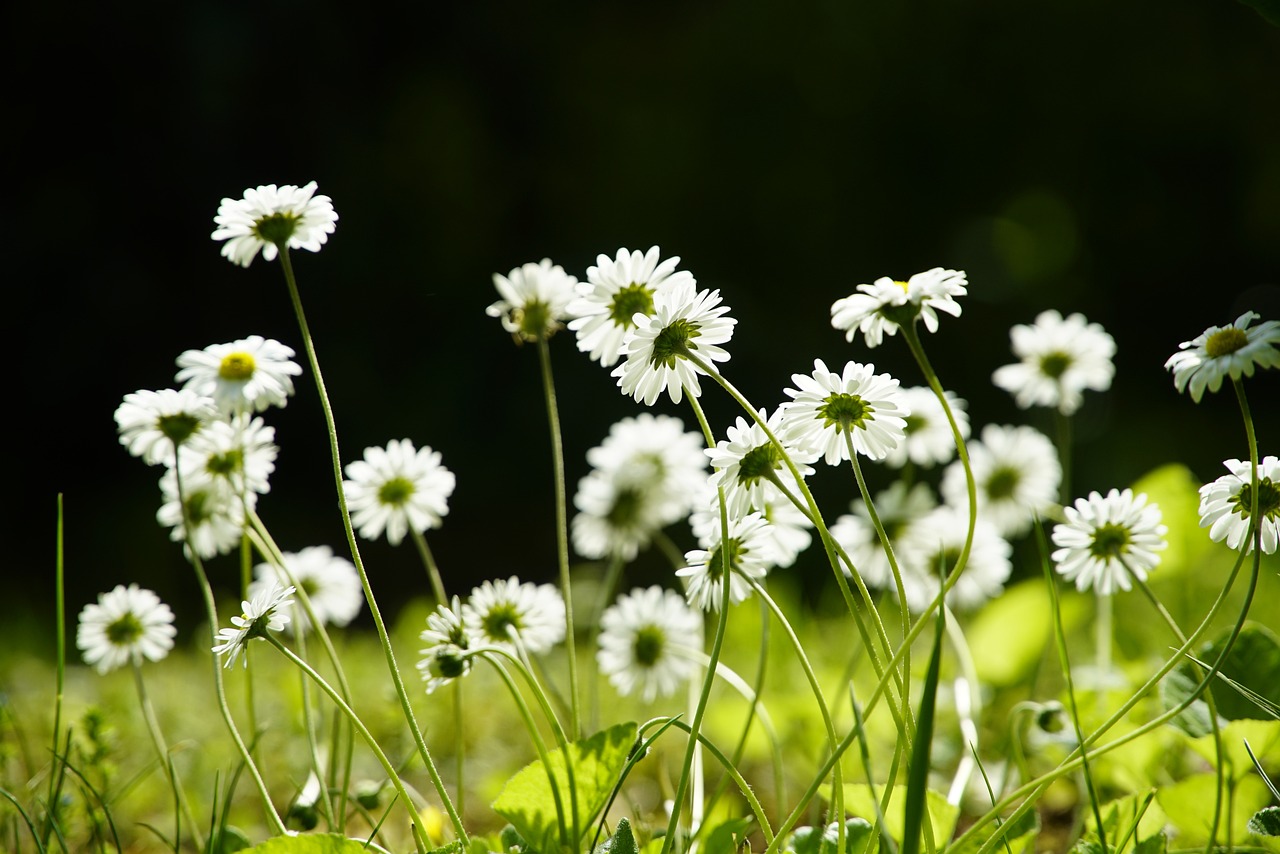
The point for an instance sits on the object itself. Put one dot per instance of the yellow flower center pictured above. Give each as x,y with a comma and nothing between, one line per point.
1224,342
237,366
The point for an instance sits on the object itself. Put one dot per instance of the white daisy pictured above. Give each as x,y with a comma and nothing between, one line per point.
656,453
858,403
499,612
126,624
267,611
748,551
269,216
642,636
1017,474
397,488
614,517
151,423
880,308
605,305
1226,503
928,439
239,453
209,520
898,507
1105,540
684,320
535,299
1060,359
241,376
330,581
445,657
931,546
747,460
786,535
1222,351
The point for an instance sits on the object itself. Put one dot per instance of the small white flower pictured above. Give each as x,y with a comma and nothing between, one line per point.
746,462
642,636
880,308
448,640
267,611
748,551
268,216
605,305
1060,359
858,403
397,489
238,453
931,545
684,321
208,519
656,453
241,376
928,439
1105,540
150,423
535,299
615,517
126,624
1017,474
500,612
1224,351
1225,505
898,507
330,581
785,537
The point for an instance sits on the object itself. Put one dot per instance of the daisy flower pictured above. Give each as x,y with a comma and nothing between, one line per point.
208,519
1017,474
656,453
927,437
242,376
238,453
642,636
127,624
397,488
931,545
615,518
1226,503
785,537
330,581
880,308
269,217
1222,351
1105,540
151,423
748,551
1060,359
535,299
267,611
501,612
857,403
605,305
684,321
898,507
747,461
445,657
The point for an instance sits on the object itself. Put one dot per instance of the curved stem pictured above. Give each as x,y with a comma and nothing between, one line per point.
429,561
162,753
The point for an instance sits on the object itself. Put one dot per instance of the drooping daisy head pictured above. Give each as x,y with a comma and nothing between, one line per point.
827,410
685,321
267,611
1224,351
881,307
535,299
504,612
330,582
205,516
929,549
898,507
238,452
447,638
269,218
927,439
1017,474
397,489
124,625
616,290
1226,505
152,423
1060,358
747,461
642,638
748,551
241,376
1105,540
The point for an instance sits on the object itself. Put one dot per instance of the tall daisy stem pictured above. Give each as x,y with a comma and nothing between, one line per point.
162,752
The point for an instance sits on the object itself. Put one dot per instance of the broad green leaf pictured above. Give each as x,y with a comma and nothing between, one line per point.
1266,822
1263,737
310,843
1175,688
1254,662
527,802
942,815
1019,836
1156,843
1008,636
1189,806
725,837
1175,490
623,840
809,840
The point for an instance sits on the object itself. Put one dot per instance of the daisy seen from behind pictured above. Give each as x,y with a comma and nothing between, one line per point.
748,551
535,299
397,489
1227,503
1060,359
447,638
238,454
268,218
642,638
152,423
247,375
125,625
206,517
267,611
1107,541
508,611
927,437
880,308
1017,474
747,462
1224,351
330,582
828,411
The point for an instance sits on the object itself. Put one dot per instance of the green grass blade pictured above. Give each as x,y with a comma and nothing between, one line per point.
913,809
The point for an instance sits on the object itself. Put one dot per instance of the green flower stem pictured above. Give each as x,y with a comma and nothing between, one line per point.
310,726
562,533
1105,612
429,561
60,604
1238,384
162,753
460,753
385,639
1063,423
605,593
246,572
419,835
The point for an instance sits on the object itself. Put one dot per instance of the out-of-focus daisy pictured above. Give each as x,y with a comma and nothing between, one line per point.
267,611
447,640
897,506
1060,358
126,624
239,453
535,299
747,461
785,537
616,290
858,403
880,308
1226,504
500,612
1017,474
330,581
208,519
931,545
1224,351
641,638
269,217
928,439
151,423
684,321
748,550
241,376
1107,539
657,453
397,488
614,517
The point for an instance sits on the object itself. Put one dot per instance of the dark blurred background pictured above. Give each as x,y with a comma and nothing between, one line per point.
1117,159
